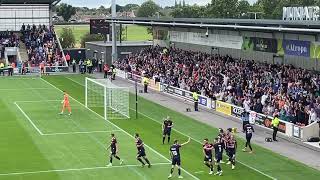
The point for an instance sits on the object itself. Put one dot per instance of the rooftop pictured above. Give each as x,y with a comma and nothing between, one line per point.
244,24
53,2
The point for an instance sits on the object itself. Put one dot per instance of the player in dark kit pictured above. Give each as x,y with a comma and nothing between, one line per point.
141,151
231,147
222,139
248,129
207,151
166,129
114,150
175,156
218,149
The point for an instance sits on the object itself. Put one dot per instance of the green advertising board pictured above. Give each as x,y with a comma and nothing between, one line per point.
315,50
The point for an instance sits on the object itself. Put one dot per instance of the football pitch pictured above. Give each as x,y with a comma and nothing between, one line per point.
39,144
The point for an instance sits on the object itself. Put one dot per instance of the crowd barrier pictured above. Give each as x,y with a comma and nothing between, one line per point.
254,118
312,130
286,128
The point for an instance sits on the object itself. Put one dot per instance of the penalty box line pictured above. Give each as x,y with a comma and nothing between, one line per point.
60,133
79,132
28,118
76,169
187,172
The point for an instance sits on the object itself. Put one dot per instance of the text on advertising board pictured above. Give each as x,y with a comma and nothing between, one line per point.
309,13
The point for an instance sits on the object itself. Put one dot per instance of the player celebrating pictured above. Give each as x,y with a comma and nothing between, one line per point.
114,150
207,151
65,103
248,128
218,149
166,129
231,145
175,156
141,151
222,139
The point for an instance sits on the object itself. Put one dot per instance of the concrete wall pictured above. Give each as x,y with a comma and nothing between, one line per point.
303,62
123,51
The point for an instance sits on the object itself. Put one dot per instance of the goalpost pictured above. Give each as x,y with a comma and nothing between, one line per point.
103,94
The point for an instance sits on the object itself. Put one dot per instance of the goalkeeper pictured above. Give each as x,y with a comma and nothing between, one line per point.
65,103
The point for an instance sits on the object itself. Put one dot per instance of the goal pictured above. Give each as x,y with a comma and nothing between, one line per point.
103,95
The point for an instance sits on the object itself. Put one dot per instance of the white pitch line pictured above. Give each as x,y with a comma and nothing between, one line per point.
120,128
79,132
29,119
37,101
75,169
248,166
23,89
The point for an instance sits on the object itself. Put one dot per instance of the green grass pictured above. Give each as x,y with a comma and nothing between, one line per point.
24,149
135,32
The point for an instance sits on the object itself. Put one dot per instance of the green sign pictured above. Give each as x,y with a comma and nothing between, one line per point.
315,50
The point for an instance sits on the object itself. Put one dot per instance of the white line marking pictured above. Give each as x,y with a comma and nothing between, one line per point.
23,89
28,119
79,132
37,101
250,167
119,128
76,169
201,143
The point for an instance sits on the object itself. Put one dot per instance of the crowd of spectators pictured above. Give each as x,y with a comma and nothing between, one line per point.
41,45
292,93
8,39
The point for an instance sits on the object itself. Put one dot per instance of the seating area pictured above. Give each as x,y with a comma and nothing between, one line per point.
291,92
42,45
8,39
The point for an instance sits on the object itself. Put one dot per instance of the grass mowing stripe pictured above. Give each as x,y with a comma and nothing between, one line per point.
80,132
121,130
76,169
248,166
24,89
28,118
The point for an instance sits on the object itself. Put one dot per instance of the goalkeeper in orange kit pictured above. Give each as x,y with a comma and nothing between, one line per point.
65,103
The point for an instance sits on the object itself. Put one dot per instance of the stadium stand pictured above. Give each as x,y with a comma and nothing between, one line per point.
8,39
291,92
42,45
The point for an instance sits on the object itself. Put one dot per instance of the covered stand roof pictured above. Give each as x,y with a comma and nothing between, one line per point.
51,2
312,27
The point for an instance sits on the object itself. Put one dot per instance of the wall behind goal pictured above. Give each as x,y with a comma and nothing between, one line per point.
13,16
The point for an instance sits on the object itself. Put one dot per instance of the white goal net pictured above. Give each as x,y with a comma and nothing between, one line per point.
102,94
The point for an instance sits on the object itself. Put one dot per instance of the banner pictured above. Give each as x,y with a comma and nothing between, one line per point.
315,50
296,131
236,111
259,44
252,117
213,40
265,121
52,69
294,48
223,107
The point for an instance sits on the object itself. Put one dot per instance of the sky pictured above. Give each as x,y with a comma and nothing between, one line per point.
107,3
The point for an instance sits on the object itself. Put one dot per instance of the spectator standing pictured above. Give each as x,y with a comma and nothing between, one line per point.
74,63
312,116
68,58
100,65
106,70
